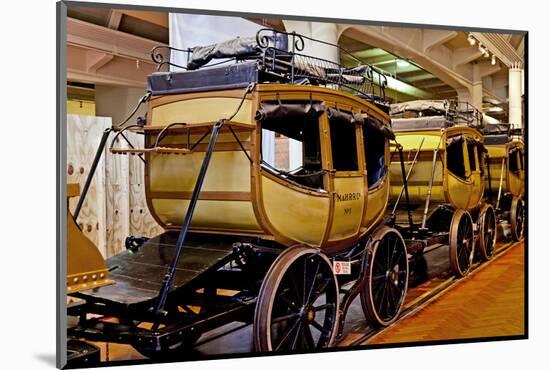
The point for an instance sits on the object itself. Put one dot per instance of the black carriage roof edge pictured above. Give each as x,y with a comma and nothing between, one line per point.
277,110
270,57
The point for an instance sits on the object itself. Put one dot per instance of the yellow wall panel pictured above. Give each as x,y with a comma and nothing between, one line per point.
228,171
294,214
83,108
348,210
229,215
376,205
201,110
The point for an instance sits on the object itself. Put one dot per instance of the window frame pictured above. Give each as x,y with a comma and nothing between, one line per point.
361,163
385,167
522,159
517,159
475,159
271,170
481,158
466,162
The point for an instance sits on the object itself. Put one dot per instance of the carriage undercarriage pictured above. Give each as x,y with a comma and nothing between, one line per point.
301,307
295,297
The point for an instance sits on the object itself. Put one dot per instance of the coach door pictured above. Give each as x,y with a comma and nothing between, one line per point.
475,173
347,176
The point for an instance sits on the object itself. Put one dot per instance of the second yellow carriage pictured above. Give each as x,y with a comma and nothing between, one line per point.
444,161
506,175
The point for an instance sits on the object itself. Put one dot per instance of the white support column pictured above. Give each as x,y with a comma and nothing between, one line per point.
295,155
301,27
321,31
327,32
514,95
118,102
464,95
295,147
477,88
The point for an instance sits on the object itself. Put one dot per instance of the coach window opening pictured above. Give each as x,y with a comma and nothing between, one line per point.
522,160
472,156
343,140
481,159
374,143
455,157
514,160
294,125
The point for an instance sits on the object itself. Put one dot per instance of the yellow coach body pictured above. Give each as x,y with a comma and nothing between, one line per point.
242,196
464,190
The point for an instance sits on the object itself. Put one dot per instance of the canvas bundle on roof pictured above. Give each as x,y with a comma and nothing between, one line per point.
271,57
420,123
502,133
433,114
425,106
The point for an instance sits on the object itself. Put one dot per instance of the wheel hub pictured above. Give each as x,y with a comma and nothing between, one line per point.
393,274
310,314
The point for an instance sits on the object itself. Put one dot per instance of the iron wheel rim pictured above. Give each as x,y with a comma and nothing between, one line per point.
461,242
489,233
388,276
297,309
520,218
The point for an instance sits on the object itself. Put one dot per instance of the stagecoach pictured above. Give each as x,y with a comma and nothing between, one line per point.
443,155
253,234
506,183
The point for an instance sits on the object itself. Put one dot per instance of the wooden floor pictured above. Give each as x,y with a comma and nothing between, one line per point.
488,303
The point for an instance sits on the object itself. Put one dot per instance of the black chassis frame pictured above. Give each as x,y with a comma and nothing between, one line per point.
248,264
417,239
503,209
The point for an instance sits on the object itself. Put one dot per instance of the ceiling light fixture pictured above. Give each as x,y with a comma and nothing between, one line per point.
493,60
481,48
471,39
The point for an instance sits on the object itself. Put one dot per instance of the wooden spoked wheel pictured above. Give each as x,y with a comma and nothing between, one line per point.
517,218
297,308
461,243
387,270
487,232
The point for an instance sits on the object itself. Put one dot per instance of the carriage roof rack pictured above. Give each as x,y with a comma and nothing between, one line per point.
432,114
270,57
501,133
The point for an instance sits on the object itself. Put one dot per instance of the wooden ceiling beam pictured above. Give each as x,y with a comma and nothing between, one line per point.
429,84
415,76
114,19
95,60
102,55
433,38
94,37
158,18
464,55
